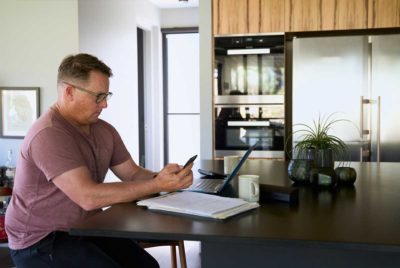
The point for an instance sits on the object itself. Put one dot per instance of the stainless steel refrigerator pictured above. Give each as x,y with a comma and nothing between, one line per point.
356,78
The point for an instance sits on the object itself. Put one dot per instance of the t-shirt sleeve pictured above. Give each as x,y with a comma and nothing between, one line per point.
55,152
120,152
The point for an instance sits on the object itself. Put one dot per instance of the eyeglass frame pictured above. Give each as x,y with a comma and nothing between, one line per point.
99,96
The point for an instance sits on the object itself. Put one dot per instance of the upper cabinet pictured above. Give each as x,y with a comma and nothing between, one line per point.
348,14
248,16
304,15
271,16
266,16
230,16
383,13
320,15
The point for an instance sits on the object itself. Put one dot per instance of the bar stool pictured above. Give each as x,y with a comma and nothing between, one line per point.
5,192
173,244
5,258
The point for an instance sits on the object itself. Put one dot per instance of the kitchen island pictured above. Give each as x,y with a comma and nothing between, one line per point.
347,227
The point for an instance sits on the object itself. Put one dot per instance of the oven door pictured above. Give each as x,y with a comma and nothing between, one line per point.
241,126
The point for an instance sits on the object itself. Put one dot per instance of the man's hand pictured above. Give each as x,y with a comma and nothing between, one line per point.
173,177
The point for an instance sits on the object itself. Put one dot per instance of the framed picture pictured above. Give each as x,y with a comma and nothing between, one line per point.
19,109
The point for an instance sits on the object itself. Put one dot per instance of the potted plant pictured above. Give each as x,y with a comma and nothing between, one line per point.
316,152
316,142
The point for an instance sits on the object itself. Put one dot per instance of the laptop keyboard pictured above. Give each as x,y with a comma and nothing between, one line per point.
206,185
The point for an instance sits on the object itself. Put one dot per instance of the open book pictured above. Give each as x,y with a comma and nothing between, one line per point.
198,204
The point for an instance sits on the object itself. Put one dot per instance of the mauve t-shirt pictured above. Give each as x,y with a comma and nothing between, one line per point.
52,147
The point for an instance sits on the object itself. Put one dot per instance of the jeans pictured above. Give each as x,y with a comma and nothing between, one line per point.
58,249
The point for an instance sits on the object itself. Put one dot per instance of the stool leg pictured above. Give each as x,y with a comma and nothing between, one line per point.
182,254
173,257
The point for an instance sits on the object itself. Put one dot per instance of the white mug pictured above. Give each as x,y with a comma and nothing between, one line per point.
230,162
249,188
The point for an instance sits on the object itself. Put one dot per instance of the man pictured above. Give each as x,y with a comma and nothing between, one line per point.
59,179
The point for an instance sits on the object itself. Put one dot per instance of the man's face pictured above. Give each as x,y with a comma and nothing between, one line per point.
87,107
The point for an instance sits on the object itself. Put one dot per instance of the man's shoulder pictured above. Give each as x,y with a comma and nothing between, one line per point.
104,125
48,124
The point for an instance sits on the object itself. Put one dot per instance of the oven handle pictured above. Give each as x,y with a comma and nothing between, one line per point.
248,123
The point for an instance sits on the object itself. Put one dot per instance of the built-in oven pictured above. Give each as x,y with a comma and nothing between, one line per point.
248,95
239,126
249,69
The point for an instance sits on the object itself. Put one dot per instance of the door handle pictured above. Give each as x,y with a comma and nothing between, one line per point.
378,132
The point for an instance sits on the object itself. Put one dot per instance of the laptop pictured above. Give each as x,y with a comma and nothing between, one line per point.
215,186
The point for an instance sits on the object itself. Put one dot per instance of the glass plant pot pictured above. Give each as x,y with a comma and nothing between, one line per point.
346,175
323,158
299,170
323,177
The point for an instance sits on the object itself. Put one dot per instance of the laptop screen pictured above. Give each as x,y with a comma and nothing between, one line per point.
239,165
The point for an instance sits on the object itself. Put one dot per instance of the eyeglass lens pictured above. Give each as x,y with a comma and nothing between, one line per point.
103,96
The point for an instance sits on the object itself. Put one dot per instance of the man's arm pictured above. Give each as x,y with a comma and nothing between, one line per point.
78,185
130,171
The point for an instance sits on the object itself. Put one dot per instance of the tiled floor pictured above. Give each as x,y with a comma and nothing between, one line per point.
163,256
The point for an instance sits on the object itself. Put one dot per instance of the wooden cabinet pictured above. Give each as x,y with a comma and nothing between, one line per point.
215,13
253,16
383,13
248,16
350,14
320,15
272,16
266,16
231,17
304,15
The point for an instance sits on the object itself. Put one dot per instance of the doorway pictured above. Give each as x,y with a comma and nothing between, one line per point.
181,94
141,97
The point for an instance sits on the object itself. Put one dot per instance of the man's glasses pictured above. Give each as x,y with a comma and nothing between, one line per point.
99,96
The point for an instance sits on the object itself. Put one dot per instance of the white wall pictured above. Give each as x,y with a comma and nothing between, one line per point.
109,32
179,17
34,37
206,74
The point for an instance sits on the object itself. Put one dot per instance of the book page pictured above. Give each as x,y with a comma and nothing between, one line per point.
194,203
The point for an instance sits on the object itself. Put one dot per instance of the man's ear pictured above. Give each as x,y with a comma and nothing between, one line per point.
69,93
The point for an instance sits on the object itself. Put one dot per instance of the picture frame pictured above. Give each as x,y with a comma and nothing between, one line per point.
19,108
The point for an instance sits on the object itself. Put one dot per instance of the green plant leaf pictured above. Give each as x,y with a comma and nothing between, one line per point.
317,136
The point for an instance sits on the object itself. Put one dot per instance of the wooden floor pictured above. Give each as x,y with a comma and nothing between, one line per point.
163,256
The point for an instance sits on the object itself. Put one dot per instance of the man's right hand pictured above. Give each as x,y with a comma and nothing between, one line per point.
173,177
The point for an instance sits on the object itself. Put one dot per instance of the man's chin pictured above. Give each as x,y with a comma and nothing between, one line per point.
94,120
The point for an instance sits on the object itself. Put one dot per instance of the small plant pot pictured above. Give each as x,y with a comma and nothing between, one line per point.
346,175
323,158
323,177
299,170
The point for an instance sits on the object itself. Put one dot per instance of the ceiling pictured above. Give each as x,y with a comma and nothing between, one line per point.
175,3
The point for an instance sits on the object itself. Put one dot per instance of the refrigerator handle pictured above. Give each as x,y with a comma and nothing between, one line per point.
361,127
378,133
365,149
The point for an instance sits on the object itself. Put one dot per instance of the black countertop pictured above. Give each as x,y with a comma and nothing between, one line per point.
366,216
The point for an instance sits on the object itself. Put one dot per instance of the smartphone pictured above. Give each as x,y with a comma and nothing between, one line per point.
190,161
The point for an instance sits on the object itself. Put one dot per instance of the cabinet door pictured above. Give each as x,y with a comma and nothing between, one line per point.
254,16
272,16
383,13
304,15
248,16
232,17
320,15
215,12
351,14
